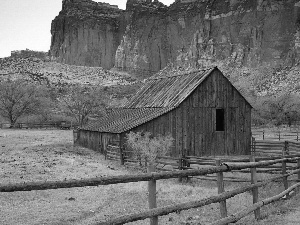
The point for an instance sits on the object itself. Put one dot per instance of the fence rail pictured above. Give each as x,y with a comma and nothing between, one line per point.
276,135
280,158
263,150
155,212
60,125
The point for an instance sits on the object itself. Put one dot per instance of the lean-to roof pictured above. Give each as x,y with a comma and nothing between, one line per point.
123,119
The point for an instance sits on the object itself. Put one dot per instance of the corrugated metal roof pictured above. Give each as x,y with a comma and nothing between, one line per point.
167,90
122,119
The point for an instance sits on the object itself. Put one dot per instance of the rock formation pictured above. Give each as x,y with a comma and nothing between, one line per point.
86,33
148,35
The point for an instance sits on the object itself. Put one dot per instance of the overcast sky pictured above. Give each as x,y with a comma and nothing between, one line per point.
27,23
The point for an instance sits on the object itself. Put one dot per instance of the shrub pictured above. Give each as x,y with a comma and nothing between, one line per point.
147,147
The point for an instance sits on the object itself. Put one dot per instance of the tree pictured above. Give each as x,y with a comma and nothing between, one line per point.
19,98
283,108
82,102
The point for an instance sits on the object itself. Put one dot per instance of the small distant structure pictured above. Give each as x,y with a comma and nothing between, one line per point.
205,114
89,3
104,4
187,1
28,53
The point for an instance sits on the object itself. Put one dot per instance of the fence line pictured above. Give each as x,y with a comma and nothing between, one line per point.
276,135
261,150
152,213
285,155
61,125
237,216
133,178
161,211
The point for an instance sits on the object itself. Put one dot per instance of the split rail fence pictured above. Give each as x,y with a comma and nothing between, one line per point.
219,169
262,150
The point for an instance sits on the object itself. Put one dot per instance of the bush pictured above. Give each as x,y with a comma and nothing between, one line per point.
147,147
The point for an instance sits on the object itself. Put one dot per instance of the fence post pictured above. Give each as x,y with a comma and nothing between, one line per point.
121,155
185,164
284,179
180,166
105,151
75,137
253,146
152,194
286,148
254,190
263,135
279,135
298,165
220,183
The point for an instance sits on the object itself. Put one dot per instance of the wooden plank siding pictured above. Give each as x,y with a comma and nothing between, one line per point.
193,123
96,141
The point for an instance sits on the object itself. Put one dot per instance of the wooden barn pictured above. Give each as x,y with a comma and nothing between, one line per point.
202,110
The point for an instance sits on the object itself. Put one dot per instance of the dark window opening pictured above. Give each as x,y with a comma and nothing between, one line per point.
220,120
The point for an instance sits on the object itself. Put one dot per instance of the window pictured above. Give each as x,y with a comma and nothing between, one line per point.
220,119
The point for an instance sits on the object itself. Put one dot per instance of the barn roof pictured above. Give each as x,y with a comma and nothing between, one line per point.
167,90
123,119
159,94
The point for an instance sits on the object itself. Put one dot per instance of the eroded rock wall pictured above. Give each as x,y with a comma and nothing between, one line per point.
149,35
86,33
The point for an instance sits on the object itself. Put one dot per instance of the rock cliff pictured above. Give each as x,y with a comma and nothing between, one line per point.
86,33
148,35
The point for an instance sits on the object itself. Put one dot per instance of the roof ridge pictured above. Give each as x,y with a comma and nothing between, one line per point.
180,73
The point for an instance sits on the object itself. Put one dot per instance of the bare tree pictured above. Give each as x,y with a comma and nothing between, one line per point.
18,98
83,102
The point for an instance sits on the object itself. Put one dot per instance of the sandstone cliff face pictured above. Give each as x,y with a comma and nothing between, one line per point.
86,33
149,35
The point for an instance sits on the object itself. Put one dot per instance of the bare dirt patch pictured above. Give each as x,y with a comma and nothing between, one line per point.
40,155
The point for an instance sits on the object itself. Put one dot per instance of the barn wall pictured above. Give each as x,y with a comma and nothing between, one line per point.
96,140
193,123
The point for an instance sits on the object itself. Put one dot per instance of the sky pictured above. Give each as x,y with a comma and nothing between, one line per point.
27,23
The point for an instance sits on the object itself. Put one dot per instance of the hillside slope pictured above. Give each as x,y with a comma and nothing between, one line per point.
53,73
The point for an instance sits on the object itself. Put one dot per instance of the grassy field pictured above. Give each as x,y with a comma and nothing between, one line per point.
38,155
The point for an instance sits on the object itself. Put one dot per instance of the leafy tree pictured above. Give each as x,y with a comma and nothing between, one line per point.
82,102
283,109
19,98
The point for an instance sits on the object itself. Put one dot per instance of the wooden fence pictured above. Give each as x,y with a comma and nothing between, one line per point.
276,135
155,212
262,150
60,125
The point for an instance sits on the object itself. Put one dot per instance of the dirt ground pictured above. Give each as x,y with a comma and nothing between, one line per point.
40,155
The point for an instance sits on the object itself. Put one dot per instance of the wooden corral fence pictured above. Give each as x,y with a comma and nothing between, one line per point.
219,169
262,150
261,134
60,125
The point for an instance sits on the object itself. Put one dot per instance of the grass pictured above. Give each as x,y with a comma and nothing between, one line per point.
39,155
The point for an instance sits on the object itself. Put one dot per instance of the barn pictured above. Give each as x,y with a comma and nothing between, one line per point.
205,114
